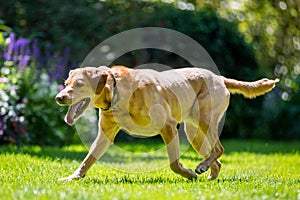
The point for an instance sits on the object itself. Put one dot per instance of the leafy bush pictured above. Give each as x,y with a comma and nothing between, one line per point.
27,95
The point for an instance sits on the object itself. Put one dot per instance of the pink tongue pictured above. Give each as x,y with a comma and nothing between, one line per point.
68,118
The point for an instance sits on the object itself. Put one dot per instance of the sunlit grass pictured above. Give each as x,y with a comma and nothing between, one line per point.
251,170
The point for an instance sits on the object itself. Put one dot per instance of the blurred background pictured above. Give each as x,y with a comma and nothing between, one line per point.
41,40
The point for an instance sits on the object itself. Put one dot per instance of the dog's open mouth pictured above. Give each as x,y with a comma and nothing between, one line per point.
76,110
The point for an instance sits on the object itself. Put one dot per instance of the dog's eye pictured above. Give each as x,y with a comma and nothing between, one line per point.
78,85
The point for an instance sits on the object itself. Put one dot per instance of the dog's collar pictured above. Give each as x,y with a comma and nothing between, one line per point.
114,98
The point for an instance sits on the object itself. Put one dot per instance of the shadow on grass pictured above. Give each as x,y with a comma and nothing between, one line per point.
53,153
261,147
117,153
78,152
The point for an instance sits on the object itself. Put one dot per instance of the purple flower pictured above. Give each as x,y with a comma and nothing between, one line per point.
23,62
36,52
61,87
18,45
62,63
35,49
23,44
10,48
28,51
22,52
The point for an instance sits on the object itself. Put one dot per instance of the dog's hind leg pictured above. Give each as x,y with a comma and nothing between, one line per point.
170,136
204,147
211,161
214,170
203,123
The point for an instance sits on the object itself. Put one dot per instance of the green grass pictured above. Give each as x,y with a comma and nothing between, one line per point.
251,170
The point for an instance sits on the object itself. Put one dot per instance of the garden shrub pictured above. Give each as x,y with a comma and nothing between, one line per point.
27,90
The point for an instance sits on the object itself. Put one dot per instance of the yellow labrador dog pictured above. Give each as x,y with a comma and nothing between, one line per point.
147,103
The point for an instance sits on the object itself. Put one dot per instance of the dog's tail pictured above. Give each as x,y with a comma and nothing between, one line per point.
250,89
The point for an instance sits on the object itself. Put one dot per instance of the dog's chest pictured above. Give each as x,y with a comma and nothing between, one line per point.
141,123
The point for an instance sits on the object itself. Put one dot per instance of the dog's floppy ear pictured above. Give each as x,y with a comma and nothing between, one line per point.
101,83
97,79
70,72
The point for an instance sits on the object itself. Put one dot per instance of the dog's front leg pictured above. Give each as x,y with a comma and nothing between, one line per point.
97,150
170,136
104,139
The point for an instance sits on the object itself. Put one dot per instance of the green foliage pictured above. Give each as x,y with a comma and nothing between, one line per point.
273,29
251,170
44,117
34,100
27,97
286,114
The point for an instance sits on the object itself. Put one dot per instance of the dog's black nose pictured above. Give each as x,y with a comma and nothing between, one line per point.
60,98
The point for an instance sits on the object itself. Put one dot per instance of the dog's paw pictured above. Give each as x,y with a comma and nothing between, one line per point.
211,177
193,175
201,169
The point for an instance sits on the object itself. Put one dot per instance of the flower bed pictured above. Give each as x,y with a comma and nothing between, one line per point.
29,80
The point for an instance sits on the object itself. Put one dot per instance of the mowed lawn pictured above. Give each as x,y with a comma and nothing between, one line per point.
251,170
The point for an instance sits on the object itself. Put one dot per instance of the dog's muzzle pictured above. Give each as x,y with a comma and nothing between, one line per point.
61,99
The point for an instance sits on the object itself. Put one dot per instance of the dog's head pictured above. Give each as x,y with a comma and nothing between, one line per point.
81,88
